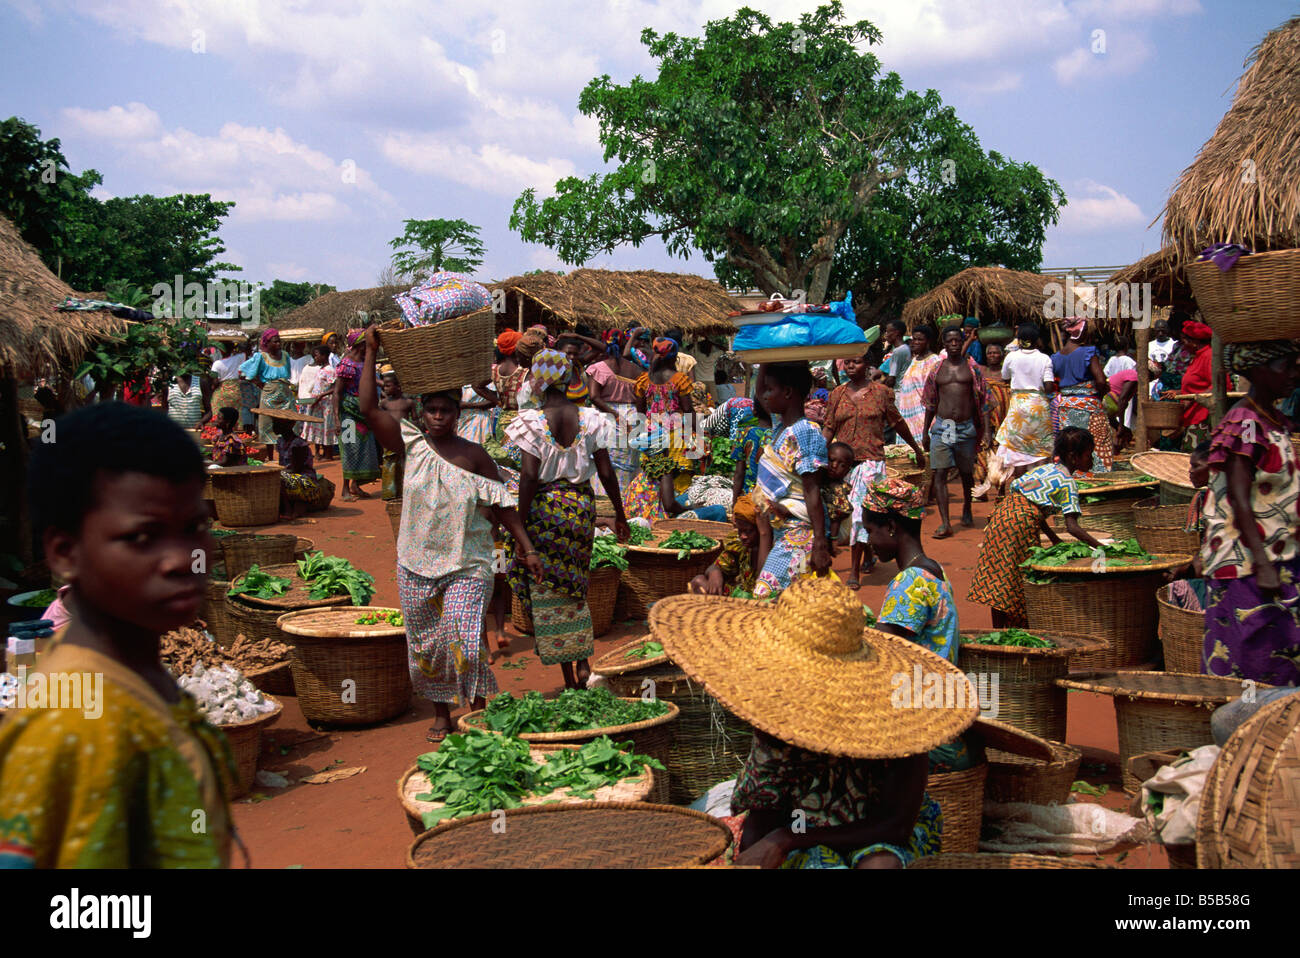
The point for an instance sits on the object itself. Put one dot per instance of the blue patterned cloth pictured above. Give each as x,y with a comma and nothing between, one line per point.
922,603
1049,487
927,835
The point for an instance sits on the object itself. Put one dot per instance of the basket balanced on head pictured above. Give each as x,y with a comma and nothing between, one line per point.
442,355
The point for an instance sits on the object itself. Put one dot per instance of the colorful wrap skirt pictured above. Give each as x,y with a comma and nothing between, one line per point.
444,636
228,395
1079,406
625,457
249,396
1249,635
1012,532
792,542
1025,436
561,523
276,394
357,447
316,491
321,433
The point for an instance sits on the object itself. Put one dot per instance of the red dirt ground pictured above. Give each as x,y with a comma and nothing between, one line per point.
358,822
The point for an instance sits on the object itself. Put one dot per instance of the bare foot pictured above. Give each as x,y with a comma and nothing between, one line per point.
854,584
967,519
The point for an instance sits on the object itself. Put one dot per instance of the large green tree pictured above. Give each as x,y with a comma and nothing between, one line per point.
429,246
765,145
282,296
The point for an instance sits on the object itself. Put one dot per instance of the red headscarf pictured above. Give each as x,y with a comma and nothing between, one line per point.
507,341
1197,331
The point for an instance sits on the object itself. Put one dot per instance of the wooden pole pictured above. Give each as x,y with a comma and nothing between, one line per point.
521,311
1140,437
1219,380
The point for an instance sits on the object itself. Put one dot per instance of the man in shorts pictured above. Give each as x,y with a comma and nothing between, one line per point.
955,399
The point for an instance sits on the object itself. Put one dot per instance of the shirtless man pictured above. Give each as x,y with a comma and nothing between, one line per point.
954,424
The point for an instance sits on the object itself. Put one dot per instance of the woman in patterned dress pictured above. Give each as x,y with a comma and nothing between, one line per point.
663,396
735,570
270,372
613,381
1083,385
315,398
444,545
357,446
1025,436
910,387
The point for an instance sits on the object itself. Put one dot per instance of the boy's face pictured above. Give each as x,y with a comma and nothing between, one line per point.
391,389
133,564
841,463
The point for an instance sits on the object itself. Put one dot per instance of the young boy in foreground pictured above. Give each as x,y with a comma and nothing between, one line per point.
136,779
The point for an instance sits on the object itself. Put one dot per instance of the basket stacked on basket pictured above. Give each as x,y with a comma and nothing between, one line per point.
602,593
1027,695
346,672
245,740
245,549
653,573
709,744
586,835
1112,510
1155,711
1182,634
246,495
1162,528
442,355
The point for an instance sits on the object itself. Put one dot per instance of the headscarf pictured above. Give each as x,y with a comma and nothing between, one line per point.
686,363
387,370
353,336
895,495
745,509
663,346
528,345
1075,327
615,341
1241,358
551,368
266,336
508,340
325,340
1197,331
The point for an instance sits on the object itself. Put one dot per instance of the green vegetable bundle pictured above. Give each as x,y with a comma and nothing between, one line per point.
333,575
572,710
638,534
722,458
606,552
687,542
40,600
260,584
1119,553
1016,637
645,650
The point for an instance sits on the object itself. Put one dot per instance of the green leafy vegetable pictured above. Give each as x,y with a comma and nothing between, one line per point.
739,593
1016,637
645,650
572,710
257,583
639,534
1118,553
40,599
606,552
334,575
686,542
1083,788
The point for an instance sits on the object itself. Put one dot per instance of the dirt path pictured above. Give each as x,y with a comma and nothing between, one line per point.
358,822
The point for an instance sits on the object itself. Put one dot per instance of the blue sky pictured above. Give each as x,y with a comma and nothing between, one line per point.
329,123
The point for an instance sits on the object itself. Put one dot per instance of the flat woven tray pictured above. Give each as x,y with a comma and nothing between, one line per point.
306,334
1170,467
298,596
1114,567
985,861
1123,482
790,354
1066,644
338,623
587,835
651,547
616,662
1177,687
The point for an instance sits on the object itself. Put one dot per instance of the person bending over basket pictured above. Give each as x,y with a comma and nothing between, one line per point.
452,495
563,447
735,569
1250,554
853,788
1013,529
302,490
118,779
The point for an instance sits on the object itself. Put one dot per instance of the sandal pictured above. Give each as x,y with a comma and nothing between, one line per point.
854,584
437,733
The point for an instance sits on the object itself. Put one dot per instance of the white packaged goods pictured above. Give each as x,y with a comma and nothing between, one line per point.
224,696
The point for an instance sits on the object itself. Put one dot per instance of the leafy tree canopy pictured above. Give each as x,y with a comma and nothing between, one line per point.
429,246
282,296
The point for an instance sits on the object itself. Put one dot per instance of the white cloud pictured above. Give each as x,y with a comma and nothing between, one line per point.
1111,53
489,167
288,271
134,121
1095,207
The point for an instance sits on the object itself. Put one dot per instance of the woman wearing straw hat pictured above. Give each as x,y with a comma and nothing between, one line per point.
1251,553
357,446
269,371
1083,385
562,448
454,494
301,489
840,743
735,570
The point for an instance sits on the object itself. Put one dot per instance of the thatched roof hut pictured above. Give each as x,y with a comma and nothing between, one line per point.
989,292
1163,270
32,333
1241,187
340,311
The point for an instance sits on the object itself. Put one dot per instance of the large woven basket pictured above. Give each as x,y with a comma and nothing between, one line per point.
987,860
1112,515
1161,528
651,737
273,679
1254,300
1182,635
394,509
1027,694
443,355
1118,608
961,797
246,495
1250,809
602,593
215,614
1155,711
709,743
1162,413
652,573
246,549
1033,779
634,789
346,673
246,744
586,835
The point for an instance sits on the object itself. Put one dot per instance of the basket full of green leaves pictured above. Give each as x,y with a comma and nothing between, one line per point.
256,599
676,551
476,772
577,716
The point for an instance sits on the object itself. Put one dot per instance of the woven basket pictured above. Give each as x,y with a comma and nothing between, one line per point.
587,835
1027,694
1162,414
245,549
1118,608
1182,635
651,737
1156,711
394,509
443,355
256,619
652,574
302,546
246,495
709,744
634,789
214,612
1252,301
246,744
1113,515
346,673
1160,528
274,679
976,861
602,594
1250,809
961,797
1023,778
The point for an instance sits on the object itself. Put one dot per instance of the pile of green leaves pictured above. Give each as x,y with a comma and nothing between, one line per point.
334,575
1118,553
478,772
739,593
1016,637
606,552
572,710
40,600
222,533
686,542
638,534
257,583
722,458
645,650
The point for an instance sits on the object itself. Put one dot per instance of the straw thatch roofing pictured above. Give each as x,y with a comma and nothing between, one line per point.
339,311
989,292
1241,187
32,333
1163,270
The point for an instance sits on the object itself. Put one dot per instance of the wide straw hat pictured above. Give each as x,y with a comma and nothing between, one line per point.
807,670
285,414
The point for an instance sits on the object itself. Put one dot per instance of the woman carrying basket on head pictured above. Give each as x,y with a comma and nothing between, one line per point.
269,371
453,496
562,447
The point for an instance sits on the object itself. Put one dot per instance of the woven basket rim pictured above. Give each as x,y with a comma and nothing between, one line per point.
1063,753
287,570
266,670
1109,682
221,471
581,808
356,632
266,719
610,730
1161,599
1164,563
1170,467
1111,487
621,667
1068,643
